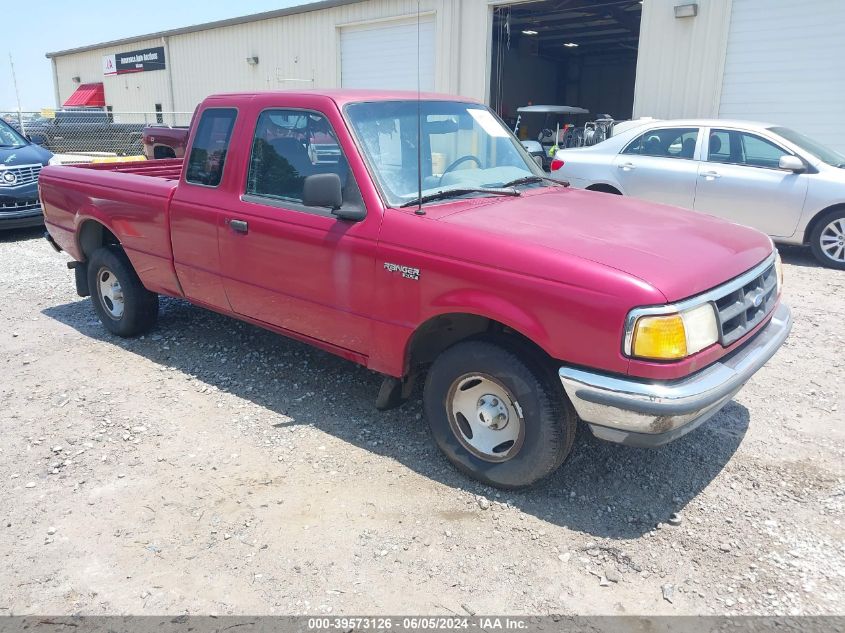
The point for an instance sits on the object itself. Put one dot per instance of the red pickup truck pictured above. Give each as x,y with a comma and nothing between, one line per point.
164,141
430,244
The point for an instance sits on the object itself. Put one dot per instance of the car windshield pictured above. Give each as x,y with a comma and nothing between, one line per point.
9,137
824,154
464,147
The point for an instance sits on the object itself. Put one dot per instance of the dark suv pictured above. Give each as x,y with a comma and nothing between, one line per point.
21,161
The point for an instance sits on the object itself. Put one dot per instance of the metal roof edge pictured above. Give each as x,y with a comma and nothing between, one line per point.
206,26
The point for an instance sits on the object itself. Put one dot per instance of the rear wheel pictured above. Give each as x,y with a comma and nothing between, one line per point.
124,306
497,416
827,241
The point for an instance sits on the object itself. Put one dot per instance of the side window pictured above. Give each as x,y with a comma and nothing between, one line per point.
665,143
719,147
742,148
759,152
211,143
289,146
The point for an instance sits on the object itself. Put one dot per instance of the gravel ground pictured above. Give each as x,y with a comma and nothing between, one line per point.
213,467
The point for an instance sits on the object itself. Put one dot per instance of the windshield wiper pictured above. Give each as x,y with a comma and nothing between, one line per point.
454,193
526,180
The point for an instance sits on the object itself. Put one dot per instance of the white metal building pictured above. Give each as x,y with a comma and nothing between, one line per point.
773,60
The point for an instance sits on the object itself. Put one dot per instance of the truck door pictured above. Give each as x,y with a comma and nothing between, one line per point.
298,267
195,210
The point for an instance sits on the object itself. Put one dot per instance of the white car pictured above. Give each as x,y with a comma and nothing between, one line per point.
765,176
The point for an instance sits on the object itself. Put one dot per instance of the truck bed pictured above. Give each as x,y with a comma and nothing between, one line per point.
132,200
168,169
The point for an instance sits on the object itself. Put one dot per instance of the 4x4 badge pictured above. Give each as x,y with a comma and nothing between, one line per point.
407,272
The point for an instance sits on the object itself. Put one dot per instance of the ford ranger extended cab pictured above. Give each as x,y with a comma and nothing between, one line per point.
431,245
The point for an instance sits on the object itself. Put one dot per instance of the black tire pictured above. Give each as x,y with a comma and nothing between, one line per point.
605,189
139,305
548,421
818,233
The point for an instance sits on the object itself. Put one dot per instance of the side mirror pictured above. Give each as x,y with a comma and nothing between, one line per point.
792,163
326,190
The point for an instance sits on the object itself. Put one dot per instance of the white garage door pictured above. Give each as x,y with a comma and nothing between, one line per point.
784,65
385,55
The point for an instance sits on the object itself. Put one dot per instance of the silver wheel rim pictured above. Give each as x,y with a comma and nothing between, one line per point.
832,240
485,418
110,293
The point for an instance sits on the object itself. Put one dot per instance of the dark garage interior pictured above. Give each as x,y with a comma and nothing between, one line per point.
565,52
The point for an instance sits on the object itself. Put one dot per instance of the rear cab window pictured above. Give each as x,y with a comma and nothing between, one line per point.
211,144
665,143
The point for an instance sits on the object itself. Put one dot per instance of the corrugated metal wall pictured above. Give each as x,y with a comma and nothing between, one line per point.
295,51
681,60
775,72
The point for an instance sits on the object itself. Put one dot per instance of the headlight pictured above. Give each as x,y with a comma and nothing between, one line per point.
779,271
54,160
672,336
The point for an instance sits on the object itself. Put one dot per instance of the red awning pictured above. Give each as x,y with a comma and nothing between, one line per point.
87,95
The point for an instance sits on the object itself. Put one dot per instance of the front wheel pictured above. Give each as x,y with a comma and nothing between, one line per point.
124,306
827,241
496,417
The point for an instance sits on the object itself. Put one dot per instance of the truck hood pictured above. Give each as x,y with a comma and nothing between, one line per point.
680,253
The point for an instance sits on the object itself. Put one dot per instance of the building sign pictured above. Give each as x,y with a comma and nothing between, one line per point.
134,61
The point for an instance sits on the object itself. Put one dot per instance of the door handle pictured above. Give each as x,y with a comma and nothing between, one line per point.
239,226
711,174
627,166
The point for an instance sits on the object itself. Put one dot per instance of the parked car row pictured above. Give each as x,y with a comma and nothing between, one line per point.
764,176
85,130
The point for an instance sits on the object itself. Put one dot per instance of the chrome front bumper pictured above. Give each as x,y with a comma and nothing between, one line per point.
642,413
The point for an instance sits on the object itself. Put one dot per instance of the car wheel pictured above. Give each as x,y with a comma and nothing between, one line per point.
124,306
827,241
498,417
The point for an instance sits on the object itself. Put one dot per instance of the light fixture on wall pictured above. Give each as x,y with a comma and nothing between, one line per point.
686,10
76,80
529,32
252,61
571,45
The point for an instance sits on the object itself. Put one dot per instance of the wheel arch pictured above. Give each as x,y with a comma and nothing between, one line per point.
443,330
604,187
818,217
93,234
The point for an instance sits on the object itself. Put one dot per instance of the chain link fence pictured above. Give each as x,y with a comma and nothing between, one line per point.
96,135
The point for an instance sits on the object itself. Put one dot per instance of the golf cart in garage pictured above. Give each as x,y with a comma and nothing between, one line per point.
550,140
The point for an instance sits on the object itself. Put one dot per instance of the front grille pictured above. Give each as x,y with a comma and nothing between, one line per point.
18,205
744,308
23,175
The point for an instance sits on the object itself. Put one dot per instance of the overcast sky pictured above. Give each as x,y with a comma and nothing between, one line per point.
29,31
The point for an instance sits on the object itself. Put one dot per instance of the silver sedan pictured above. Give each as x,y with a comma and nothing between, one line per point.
765,176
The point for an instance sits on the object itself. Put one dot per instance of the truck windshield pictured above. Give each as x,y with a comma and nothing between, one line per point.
823,153
464,146
9,137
